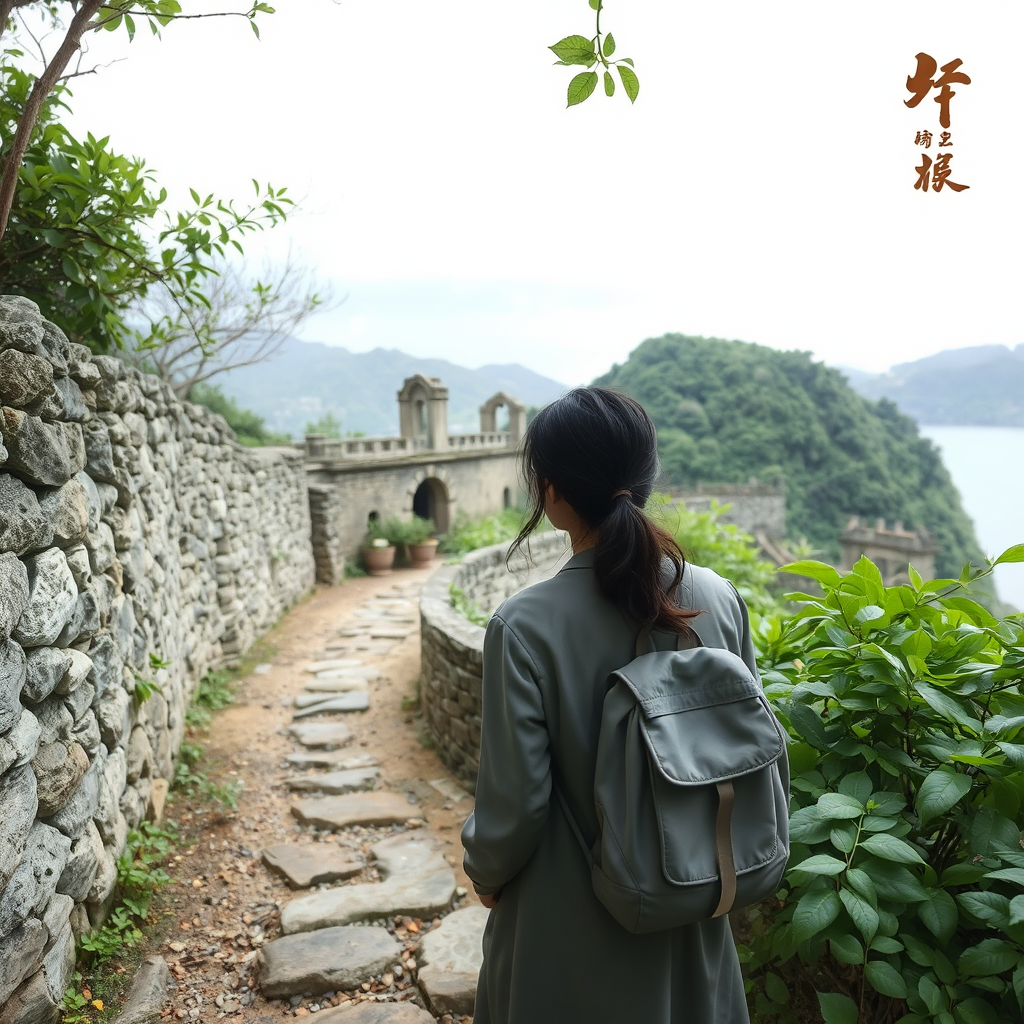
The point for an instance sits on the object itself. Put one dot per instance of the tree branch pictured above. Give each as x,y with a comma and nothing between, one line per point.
40,90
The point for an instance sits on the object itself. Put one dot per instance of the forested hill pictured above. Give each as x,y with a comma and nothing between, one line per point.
728,410
980,386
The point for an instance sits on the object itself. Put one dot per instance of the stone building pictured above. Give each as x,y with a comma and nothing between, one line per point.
891,550
423,470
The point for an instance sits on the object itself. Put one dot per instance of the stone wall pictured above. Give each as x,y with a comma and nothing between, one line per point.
451,647
131,524
755,508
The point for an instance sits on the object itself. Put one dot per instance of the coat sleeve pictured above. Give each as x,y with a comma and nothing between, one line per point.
514,782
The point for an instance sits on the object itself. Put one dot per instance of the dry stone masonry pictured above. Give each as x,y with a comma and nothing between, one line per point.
131,525
451,646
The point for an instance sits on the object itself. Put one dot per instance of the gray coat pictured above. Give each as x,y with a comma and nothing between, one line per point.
552,953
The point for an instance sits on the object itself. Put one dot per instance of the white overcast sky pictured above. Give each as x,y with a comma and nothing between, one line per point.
761,188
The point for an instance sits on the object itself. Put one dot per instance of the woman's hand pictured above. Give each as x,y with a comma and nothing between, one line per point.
490,899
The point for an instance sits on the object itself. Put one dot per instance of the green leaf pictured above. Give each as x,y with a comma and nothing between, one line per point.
895,882
820,864
629,82
847,949
581,87
946,706
807,724
931,994
885,979
857,785
1016,911
595,5
991,908
885,944
839,805
976,1011
776,989
814,570
1018,985
608,49
574,50
860,881
1013,554
888,847
814,912
939,914
1007,875
609,84
941,790
988,957
195,195
915,577
837,1008
863,915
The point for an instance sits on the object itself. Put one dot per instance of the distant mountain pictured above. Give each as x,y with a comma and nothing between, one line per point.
981,386
305,380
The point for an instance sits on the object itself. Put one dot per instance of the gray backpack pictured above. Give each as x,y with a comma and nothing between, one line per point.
691,789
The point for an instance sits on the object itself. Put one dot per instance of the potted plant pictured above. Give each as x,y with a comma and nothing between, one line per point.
419,543
378,550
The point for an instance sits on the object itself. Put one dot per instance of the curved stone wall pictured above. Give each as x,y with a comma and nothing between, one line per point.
451,646
131,524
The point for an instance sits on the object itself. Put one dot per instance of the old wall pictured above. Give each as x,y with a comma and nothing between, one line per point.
451,647
474,483
131,524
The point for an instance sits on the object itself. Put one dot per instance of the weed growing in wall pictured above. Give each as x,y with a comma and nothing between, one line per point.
213,693
192,782
466,608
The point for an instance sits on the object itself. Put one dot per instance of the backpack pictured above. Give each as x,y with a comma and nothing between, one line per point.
691,790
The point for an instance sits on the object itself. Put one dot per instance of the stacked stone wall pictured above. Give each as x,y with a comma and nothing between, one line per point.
451,647
131,525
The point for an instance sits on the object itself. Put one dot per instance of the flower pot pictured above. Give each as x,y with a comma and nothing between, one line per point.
421,556
378,561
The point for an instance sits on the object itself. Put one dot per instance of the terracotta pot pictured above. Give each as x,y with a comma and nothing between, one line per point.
421,556
378,561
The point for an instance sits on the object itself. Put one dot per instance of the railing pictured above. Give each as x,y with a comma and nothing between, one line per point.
372,449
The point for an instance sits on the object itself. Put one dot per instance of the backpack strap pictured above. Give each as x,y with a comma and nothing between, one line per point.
723,842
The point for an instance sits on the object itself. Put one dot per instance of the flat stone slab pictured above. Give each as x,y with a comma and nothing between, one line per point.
318,696
350,631
450,957
304,866
340,760
354,700
262,669
375,1013
325,666
325,960
449,790
354,809
418,882
355,672
390,633
149,990
329,735
350,780
335,684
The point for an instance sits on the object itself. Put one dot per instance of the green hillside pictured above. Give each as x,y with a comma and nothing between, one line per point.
728,410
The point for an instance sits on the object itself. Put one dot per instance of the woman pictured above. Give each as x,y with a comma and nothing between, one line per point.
552,953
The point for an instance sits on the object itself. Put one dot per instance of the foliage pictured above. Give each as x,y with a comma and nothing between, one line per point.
249,428
193,782
708,541
145,686
904,898
581,51
727,410
329,425
139,876
466,608
468,534
415,530
213,693
82,232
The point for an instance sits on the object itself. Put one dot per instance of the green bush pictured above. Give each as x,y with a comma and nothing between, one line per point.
250,428
904,898
468,534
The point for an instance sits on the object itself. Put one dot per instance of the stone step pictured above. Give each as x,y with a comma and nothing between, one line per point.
327,735
336,684
375,1013
354,809
339,760
355,672
418,882
325,666
318,696
325,960
390,632
450,958
315,864
354,700
351,780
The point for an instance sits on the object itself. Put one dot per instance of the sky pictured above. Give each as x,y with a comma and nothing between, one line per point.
760,188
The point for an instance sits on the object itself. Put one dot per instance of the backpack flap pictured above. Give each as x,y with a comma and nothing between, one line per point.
705,722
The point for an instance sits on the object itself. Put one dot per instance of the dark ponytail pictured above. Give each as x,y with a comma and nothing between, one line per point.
599,450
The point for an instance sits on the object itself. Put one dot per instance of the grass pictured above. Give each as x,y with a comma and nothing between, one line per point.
466,608
468,534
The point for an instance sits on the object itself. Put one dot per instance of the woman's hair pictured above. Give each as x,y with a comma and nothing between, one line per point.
599,450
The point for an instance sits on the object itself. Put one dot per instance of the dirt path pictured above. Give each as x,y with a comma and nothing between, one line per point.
224,903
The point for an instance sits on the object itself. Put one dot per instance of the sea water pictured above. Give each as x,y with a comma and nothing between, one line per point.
987,466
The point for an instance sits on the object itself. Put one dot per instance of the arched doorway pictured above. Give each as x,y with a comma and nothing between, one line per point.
431,502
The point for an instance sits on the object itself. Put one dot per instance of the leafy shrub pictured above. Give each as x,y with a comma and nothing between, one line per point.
213,693
904,898
468,534
249,427
466,608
